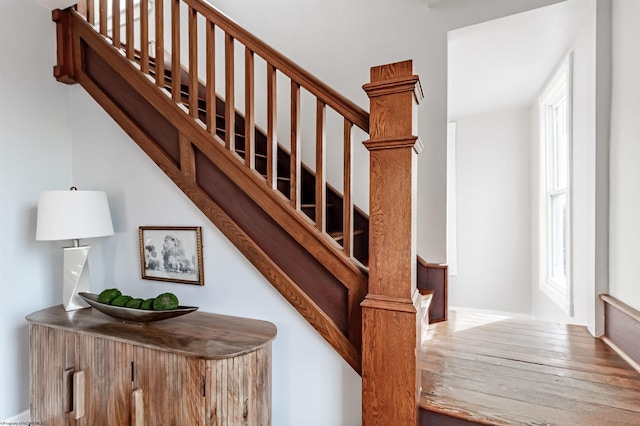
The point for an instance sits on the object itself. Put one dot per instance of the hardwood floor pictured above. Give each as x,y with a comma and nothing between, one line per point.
495,370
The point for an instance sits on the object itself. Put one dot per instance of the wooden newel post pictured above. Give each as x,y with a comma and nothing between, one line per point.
390,326
64,70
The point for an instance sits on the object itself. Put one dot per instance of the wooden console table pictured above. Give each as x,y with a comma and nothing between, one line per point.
197,369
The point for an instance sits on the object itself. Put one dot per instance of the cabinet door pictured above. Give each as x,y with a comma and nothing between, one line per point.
107,369
239,389
51,366
172,387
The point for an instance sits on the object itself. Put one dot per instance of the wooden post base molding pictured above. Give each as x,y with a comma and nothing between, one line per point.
390,375
622,326
89,369
397,304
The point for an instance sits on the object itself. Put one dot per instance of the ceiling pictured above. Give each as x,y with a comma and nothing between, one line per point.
504,63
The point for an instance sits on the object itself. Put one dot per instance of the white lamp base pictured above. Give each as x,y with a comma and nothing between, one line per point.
75,277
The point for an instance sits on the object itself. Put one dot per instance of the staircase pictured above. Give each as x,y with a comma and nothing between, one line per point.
304,236
334,200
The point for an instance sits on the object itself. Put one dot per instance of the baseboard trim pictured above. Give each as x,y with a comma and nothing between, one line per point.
622,353
428,418
621,328
22,418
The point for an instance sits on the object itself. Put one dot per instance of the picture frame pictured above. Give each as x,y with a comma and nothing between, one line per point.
172,254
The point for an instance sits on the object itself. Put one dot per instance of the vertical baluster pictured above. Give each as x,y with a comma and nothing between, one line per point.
249,114
91,12
176,76
193,62
144,36
84,8
321,187
211,77
272,144
115,23
229,103
129,30
159,53
103,17
347,202
295,163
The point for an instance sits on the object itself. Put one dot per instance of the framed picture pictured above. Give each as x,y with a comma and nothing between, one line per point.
171,254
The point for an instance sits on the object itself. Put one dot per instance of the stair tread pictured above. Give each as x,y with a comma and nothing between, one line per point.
255,153
313,205
338,235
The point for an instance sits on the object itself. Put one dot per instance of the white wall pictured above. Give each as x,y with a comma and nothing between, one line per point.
494,212
35,155
625,154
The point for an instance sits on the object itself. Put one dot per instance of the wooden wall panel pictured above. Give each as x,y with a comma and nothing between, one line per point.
434,278
622,327
137,108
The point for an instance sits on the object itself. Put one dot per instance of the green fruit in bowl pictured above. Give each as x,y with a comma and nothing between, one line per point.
108,295
134,303
121,300
165,301
147,304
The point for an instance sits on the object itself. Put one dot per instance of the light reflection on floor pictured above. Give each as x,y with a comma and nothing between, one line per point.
429,331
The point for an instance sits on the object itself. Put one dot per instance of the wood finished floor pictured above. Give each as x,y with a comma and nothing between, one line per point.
498,370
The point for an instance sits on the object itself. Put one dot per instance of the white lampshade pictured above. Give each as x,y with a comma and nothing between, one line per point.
71,215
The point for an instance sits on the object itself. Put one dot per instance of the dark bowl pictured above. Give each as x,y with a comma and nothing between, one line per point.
132,314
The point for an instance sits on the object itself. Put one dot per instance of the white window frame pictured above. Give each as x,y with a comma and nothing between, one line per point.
557,90
452,215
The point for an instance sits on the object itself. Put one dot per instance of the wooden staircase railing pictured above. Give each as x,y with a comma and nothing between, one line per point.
216,24
210,147
308,267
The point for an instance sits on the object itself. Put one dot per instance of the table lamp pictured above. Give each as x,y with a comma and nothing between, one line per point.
71,215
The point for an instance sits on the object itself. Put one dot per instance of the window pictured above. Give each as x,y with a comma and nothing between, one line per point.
452,215
555,200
